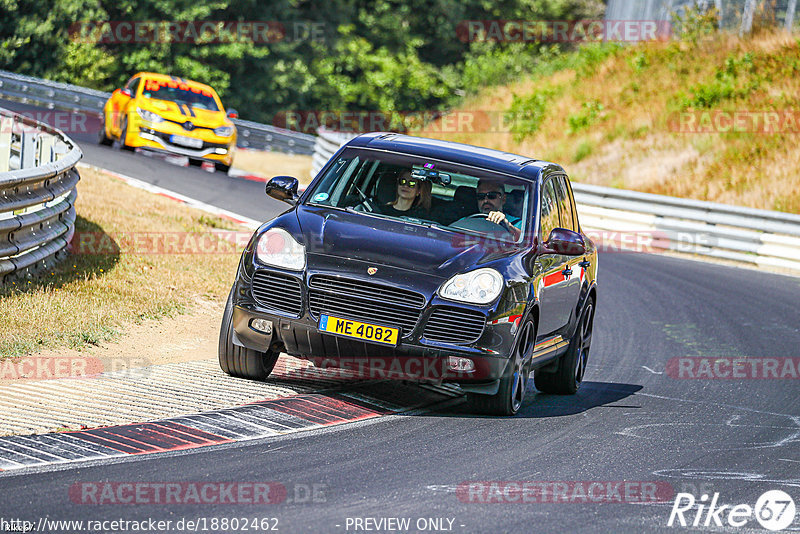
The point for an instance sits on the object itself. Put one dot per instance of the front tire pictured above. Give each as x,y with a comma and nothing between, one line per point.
508,399
572,365
123,137
102,135
239,361
221,167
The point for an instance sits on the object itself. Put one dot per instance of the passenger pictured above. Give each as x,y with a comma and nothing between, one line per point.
491,201
413,198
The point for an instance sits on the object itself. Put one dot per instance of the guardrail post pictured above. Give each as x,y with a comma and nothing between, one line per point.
6,124
44,149
27,150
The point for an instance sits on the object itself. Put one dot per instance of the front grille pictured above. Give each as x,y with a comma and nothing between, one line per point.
278,291
454,325
365,301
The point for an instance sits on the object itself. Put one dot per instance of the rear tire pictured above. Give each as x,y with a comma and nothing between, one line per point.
123,137
239,361
509,397
572,365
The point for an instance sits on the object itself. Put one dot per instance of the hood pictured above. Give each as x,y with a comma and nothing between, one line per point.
431,251
182,113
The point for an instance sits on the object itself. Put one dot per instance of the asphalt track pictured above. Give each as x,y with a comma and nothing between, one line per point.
634,418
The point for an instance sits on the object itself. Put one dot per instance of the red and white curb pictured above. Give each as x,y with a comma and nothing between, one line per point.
208,208
257,420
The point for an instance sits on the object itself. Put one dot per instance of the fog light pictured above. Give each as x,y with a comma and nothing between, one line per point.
221,150
261,325
462,365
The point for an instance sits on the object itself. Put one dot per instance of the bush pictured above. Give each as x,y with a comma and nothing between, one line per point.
527,113
592,112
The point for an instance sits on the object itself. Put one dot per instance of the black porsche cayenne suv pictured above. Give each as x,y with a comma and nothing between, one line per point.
439,261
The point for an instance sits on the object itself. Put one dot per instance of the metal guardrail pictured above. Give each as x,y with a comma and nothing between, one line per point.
37,194
629,220
55,95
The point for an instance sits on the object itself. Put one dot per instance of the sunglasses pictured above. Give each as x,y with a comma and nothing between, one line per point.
493,195
409,183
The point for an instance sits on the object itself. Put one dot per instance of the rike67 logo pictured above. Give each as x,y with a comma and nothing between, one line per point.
774,510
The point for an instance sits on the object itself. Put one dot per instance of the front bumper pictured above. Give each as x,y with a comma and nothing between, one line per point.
415,357
220,149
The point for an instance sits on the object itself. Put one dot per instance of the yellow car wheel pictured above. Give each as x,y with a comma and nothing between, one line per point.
102,135
123,144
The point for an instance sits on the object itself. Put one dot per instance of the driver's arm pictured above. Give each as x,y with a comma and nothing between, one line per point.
498,217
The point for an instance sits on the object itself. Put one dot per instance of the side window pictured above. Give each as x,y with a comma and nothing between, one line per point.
564,203
133,85
575,223
549,217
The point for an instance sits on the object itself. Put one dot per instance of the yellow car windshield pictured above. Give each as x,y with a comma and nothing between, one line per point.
180,93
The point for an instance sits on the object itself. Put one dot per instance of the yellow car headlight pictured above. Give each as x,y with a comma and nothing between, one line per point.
149,116
224,131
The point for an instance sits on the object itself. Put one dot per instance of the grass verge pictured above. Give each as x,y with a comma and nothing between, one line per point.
136,256
611,116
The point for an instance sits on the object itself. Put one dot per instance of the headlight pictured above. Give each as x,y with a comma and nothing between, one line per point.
278,248
480,286
224,131
149,116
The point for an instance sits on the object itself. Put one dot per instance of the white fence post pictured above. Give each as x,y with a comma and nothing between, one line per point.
747,17
6,124
790,14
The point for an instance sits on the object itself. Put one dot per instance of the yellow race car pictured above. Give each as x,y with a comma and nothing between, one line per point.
170,114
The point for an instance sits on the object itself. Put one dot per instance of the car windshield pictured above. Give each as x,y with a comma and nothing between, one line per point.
180,93
439,193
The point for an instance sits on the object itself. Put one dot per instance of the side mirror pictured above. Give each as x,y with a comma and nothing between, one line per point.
567,242
233,114
126,92
283,188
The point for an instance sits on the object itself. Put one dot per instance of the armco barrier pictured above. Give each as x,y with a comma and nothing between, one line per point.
744,235
54,95
37,194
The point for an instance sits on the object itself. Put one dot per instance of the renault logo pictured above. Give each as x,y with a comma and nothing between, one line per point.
188,126
372,270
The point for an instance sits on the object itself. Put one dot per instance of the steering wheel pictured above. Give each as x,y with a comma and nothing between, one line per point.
485,216
367,205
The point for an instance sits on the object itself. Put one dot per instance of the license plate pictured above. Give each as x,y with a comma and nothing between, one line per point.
190,142
357,330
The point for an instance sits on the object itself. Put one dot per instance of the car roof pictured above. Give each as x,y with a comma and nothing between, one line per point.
487,158
168,77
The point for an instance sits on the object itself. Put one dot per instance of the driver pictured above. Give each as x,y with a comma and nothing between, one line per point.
491,200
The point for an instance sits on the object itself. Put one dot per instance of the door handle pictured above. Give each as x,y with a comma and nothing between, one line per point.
585,264
567,272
